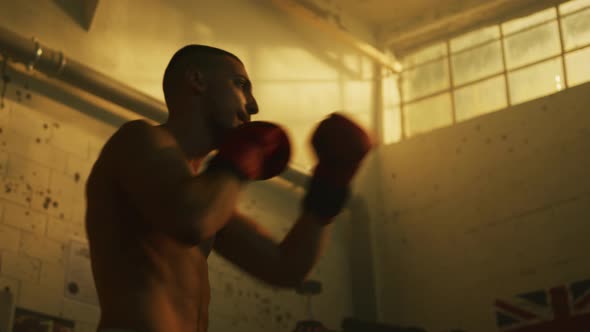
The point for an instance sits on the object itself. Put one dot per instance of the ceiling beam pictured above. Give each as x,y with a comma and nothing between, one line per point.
303,14
491,12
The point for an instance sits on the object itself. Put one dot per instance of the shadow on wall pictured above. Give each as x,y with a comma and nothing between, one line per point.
82,12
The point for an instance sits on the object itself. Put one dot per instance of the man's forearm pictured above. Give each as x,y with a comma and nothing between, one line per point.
302,247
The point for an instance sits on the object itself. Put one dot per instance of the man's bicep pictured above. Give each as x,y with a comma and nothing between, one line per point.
150,170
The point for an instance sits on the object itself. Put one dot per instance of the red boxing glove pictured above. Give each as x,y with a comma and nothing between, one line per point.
256,150
340,145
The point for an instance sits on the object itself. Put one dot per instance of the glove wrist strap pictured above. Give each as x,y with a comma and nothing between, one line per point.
325,200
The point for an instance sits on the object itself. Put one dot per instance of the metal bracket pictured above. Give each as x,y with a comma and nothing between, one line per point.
38,53
62,63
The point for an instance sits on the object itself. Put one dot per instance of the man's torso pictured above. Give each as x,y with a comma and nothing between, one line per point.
145,280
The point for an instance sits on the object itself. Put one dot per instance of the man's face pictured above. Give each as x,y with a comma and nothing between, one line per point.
229,96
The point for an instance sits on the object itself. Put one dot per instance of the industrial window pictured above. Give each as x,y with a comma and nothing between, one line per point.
578,66
480,98
489,69
429,113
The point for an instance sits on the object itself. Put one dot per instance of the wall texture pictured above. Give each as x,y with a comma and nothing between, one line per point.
483,211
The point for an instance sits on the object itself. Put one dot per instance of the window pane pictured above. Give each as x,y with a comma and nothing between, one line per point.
390,91
364,119
357,96
525,22
426,79
572,6
392,129
536,81
428,114
578,66
475,38
477,63
532,45
576,30
426,54
481,98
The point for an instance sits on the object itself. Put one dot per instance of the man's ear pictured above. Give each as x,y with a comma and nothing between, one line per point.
195,79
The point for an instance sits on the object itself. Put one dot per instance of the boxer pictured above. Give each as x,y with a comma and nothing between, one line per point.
153,218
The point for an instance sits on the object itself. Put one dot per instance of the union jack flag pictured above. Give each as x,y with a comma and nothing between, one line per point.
559,309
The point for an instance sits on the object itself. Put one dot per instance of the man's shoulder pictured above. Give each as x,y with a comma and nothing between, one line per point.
130,138
136,127
139,132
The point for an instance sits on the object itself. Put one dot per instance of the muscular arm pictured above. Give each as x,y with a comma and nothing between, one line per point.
285,264
156,178
340,146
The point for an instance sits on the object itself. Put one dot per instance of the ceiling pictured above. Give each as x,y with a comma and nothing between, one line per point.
381,13
403,25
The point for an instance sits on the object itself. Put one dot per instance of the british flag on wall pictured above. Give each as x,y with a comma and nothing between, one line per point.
559,309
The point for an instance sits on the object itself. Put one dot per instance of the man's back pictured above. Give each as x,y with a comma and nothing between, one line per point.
146,280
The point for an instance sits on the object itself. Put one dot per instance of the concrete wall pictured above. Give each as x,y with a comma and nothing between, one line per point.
485,210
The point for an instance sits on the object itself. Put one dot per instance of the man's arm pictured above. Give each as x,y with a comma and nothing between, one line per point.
340,146
155,175
153,172
286,264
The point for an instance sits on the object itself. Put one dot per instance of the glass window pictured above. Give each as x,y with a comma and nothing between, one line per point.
474,38
392,129
428,114
536,81
364,119
426,79
425,54
481,98
477,63
578,66
572,6
358,96
532,45
518,24
390,91
576,30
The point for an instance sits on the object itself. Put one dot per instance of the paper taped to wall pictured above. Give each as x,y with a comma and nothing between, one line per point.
79,284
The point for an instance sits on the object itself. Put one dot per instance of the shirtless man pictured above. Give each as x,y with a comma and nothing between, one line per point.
152,219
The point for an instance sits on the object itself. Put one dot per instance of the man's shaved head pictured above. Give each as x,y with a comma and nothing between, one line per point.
201,56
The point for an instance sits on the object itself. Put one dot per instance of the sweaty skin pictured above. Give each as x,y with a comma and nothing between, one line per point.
146,280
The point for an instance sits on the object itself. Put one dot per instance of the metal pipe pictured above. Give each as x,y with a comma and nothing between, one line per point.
56,64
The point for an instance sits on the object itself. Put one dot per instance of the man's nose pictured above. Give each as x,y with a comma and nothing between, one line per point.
252,107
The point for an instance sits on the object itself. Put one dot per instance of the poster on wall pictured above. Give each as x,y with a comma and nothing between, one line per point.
79,284
30,321
561,308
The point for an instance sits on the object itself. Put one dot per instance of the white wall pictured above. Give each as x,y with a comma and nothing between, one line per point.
298,77
487,209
